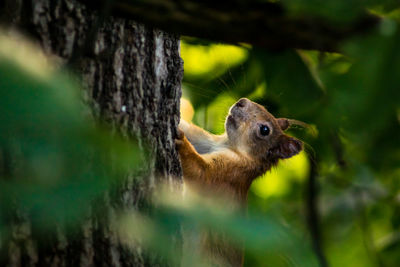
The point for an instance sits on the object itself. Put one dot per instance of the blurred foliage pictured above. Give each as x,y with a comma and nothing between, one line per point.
265,237
342,12
353,100
53,160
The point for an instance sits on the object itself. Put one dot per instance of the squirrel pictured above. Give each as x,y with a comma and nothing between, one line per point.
253,142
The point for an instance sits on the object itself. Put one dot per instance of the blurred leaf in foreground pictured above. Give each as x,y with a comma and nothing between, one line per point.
262,235
53,161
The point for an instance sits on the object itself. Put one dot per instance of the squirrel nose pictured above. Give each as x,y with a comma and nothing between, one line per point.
241,103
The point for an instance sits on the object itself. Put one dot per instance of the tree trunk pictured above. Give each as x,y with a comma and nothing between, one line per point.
132,77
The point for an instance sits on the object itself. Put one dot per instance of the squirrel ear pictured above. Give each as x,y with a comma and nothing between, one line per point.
289,147
283,123
286,148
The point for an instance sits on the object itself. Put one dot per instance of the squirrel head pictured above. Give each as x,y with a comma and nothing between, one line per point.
251,128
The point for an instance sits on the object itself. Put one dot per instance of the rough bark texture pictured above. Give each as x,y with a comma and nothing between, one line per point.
132,75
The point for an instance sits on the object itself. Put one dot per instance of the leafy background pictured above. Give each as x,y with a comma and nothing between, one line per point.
351,98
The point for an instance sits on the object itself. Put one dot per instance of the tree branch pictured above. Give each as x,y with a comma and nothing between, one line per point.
263,24
312,212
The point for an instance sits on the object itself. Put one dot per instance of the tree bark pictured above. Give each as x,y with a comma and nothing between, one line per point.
131,76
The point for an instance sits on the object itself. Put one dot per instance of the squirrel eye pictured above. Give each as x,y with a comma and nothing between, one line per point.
264,130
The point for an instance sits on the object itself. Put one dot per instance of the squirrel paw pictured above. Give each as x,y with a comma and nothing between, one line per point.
180,134
179,140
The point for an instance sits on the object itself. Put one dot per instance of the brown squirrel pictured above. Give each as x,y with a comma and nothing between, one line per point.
227,164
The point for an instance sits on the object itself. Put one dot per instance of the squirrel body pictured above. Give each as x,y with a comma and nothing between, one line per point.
253,142
225,165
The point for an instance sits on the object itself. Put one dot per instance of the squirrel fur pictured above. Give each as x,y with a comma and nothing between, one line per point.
225,165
